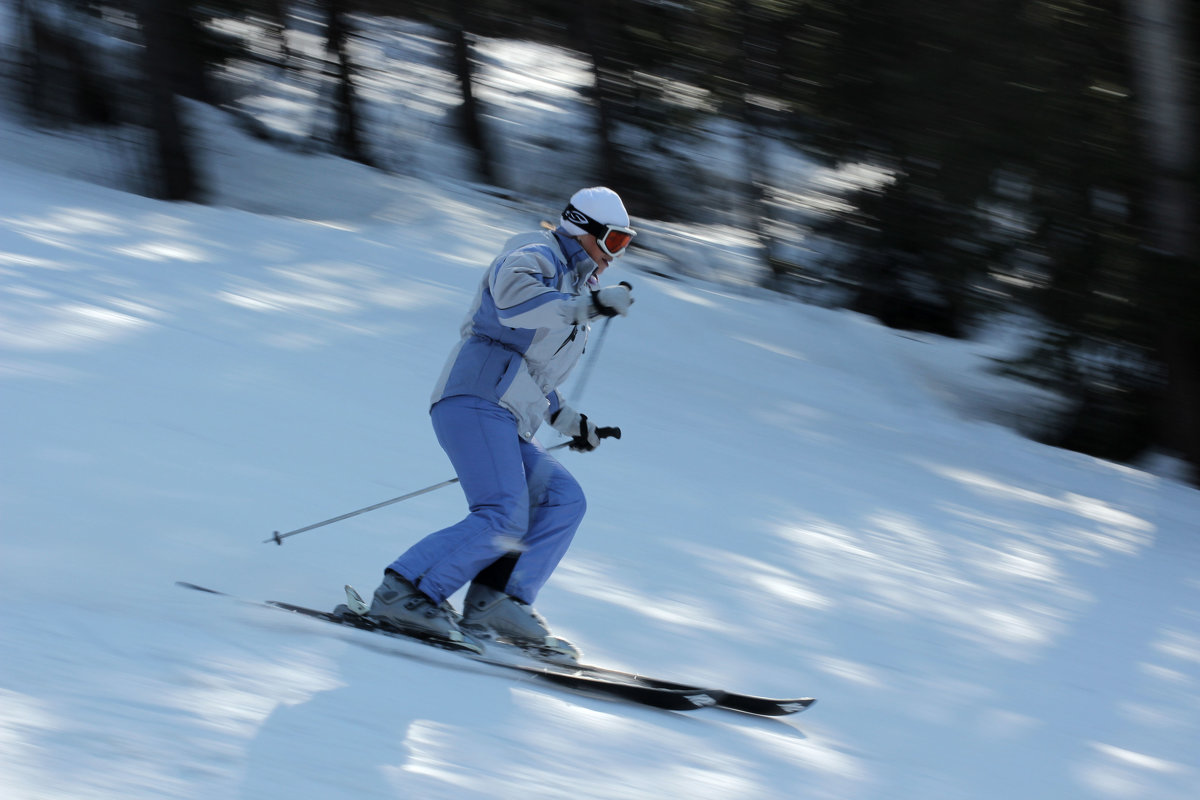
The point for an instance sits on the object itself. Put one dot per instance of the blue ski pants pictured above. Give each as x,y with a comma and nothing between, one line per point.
521,500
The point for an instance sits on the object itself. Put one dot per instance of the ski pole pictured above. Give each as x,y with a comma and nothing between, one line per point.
577,389
581,381
277,537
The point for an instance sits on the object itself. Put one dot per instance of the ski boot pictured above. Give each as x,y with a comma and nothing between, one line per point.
492,614
400,605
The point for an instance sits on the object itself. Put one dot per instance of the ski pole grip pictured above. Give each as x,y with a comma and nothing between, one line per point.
608,433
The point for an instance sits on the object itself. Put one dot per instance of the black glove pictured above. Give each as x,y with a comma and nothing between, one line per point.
583,433
613,300
606,302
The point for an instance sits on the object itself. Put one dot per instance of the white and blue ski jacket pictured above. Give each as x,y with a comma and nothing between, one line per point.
519,340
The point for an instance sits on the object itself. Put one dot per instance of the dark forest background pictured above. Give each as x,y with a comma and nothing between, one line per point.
1041,154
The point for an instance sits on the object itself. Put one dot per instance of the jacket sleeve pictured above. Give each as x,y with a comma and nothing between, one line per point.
522,287
556,402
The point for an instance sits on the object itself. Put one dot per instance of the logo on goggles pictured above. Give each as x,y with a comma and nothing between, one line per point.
574,215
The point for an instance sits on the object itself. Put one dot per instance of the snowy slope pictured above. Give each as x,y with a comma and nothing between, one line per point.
803,503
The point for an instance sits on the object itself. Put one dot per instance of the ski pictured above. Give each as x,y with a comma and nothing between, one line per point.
554,653
722,698
629,686
683,699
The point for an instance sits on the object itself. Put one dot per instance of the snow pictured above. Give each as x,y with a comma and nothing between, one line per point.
803,503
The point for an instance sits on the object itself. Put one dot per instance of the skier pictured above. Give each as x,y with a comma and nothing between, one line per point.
524,332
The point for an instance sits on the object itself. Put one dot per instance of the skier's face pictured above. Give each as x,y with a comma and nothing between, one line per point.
594,252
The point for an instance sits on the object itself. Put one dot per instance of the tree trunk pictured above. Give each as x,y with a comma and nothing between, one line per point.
591,26
1161,68
346,140
277,15
179,31
754,65
176,176
470,120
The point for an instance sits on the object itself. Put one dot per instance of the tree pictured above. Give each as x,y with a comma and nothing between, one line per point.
929,95
597,31
63,84
759,68
347,141
470,117
165,27
1162,65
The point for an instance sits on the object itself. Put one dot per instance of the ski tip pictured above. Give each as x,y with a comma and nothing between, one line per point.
762,706
197,587
769,708
792,706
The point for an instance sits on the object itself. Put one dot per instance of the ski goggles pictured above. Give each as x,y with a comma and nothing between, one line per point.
612,239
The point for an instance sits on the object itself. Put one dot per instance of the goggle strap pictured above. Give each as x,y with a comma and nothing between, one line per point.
574,215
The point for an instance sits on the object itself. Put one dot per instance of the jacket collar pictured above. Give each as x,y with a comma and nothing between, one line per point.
577,258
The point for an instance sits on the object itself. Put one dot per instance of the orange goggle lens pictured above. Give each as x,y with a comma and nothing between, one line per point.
614,241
